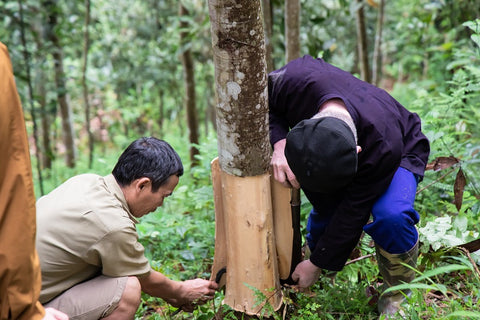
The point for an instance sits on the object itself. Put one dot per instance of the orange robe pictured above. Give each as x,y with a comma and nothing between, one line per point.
20,280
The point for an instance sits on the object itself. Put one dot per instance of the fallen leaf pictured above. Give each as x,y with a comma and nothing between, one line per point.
458,188
441,163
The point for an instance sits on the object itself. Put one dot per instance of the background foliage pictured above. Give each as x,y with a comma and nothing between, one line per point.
431,64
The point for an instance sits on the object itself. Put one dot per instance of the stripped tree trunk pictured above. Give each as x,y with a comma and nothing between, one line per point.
244,154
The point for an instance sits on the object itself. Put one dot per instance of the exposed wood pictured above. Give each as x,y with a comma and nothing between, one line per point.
243,212
250,245
282,221
220,257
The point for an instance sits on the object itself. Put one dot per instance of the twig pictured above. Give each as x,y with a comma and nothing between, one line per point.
435,181
475,267
360,258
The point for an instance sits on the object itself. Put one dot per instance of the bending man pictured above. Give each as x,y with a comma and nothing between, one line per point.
354,150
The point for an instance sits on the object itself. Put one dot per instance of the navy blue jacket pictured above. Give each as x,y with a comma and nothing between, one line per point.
389,134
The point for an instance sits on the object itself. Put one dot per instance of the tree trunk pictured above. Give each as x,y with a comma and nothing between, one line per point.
161,110
292,29
60,82
377,52
268,26
26,56
362,42
189,80
45,111
240,79
86,47
244,154
292,51
45,120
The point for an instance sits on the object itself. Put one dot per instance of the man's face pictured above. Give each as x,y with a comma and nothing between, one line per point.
148,201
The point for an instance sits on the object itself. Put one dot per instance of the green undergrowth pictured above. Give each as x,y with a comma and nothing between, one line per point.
179,237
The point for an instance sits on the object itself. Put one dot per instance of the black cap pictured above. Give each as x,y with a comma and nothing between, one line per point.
322,154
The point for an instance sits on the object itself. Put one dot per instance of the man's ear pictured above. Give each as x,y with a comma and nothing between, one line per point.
142,183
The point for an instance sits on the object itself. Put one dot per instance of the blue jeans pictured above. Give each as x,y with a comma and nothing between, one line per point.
394,218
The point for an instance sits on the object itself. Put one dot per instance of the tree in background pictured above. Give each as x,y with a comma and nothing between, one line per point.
268,27
362,42
189,80
292,29
60,81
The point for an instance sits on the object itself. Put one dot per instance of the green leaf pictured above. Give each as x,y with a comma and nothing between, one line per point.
467,314
441,270
476,39
409,286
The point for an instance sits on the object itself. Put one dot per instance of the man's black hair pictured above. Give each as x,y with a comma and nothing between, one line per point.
147,157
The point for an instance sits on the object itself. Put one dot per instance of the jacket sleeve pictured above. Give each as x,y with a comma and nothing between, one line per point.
278,127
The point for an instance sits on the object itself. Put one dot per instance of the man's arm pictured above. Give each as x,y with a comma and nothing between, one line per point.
178,293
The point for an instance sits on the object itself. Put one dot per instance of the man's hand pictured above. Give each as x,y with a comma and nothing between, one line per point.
306,274
281,171
54,314
197,291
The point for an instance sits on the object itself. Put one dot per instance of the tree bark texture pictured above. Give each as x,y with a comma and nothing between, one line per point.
62,96
241,86
292,29
362,42
189,81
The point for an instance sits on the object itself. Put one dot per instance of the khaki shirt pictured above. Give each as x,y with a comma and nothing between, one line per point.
84,229
19,266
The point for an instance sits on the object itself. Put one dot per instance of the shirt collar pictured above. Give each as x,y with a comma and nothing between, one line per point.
114,187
